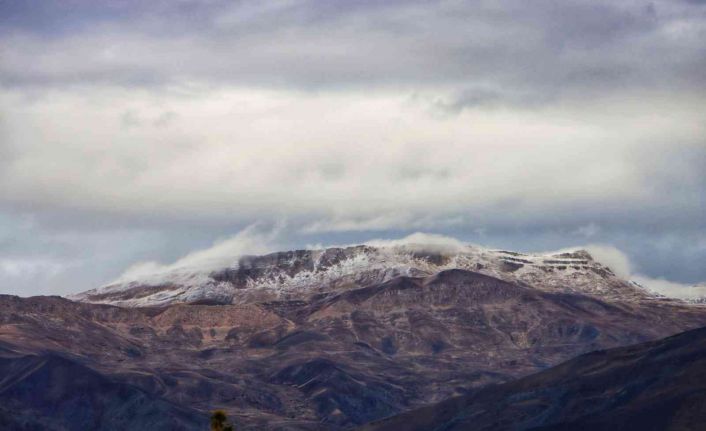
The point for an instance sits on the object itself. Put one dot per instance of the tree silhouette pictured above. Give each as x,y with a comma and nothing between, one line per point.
219,421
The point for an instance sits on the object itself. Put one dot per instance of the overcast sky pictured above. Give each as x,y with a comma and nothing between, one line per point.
135,131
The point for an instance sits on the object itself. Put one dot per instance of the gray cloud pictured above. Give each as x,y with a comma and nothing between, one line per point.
137,131
539,51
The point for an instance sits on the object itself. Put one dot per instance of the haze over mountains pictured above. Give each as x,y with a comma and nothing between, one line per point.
321,339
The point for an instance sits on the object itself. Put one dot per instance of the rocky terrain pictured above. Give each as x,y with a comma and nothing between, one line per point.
299,274
323,340
660,385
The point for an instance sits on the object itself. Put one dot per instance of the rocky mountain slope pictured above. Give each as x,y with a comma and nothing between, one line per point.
660,385
302,273
51,392
350,345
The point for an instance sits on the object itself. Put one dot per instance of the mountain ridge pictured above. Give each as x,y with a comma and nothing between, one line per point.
300,273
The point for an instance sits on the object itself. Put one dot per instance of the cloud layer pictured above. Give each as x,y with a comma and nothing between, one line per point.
343,162
137,131
508,52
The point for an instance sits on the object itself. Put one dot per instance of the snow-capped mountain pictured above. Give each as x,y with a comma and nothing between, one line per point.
301,273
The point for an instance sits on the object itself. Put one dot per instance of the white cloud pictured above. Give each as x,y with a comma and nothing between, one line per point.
620,264
253,240
330,161
612,258
421,241
670,288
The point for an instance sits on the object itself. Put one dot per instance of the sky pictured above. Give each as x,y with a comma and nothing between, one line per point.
133,133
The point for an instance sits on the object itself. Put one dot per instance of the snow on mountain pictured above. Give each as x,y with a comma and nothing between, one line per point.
301,273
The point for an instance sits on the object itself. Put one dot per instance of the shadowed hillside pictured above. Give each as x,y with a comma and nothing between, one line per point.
659,386
50,392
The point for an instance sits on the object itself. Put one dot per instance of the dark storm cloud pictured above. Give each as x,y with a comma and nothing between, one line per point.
528,50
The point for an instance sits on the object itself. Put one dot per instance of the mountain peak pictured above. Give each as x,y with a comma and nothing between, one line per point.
301,273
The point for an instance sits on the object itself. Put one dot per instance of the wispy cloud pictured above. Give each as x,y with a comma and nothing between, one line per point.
622,266
224,253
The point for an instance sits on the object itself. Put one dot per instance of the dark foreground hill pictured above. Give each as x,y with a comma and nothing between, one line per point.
654,386
50,392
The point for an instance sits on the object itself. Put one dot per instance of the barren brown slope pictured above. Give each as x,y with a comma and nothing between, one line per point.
342,358
654,386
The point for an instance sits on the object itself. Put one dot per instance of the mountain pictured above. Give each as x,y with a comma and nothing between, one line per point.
338,338
302,273
331,339
659,385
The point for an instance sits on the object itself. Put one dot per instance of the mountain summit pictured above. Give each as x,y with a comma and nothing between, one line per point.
299,274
